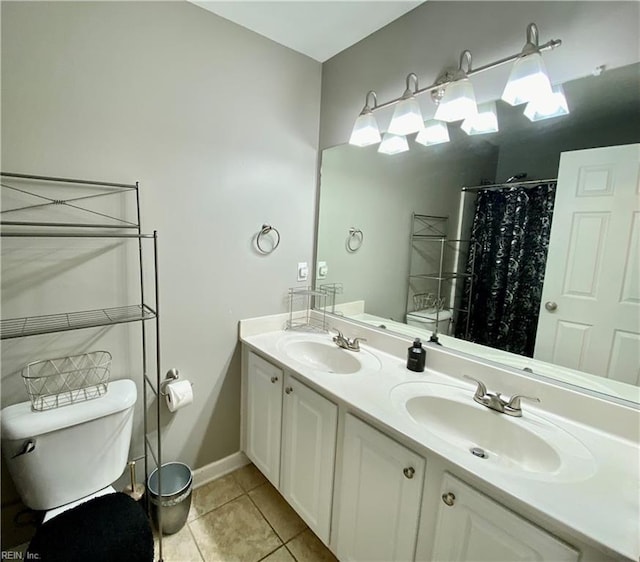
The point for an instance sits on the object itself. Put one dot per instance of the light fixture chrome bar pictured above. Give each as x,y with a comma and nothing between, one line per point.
552,44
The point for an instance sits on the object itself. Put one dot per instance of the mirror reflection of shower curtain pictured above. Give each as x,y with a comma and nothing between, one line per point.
502,294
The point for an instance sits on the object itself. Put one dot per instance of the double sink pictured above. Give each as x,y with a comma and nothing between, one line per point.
530,445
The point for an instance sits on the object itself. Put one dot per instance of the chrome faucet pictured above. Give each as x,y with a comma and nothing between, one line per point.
346,343
494,401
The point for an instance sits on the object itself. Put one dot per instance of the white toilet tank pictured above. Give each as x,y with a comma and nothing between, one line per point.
76,449
426,319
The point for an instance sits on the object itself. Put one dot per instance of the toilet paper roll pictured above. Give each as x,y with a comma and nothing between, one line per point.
179,394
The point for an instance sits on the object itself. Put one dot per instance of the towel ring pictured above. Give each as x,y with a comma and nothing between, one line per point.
355,239
266,229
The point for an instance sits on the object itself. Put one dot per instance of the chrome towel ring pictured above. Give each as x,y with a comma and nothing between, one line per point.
355,239
260,239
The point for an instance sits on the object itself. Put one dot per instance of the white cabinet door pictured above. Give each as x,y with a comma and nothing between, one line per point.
308,453
264,416
380,495
475,528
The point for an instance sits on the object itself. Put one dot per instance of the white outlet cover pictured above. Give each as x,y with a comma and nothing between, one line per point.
303,271
323,270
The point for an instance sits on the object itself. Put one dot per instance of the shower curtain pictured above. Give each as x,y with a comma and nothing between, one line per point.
502,294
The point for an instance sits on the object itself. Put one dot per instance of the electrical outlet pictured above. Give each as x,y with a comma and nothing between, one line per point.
323,270
303,271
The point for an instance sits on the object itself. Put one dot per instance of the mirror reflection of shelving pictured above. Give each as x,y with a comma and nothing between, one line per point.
437,270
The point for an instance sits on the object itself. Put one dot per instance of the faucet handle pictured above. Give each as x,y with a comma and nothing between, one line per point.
338,334
481,391
355,343
514,403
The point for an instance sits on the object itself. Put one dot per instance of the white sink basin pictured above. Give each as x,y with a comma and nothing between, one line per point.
530,445
321,355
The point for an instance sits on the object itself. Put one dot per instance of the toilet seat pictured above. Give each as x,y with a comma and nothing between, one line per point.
58,510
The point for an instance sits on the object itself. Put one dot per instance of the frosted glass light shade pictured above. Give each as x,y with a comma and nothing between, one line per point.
365,131
528,80
485,121
407,118
393,144
553,105
434,132
458,102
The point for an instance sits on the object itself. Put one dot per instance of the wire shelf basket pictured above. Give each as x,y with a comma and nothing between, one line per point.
52,383
427,301
302,301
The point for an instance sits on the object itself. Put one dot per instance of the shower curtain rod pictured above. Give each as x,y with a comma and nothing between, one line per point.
497,186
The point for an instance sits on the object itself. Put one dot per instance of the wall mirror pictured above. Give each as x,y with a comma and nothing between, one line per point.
413,222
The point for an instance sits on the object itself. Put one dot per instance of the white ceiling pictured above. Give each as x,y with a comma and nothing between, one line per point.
318,29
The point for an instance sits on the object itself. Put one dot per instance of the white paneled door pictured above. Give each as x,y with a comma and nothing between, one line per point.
590,311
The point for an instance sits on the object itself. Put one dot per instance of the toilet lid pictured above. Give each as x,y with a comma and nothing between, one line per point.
429,314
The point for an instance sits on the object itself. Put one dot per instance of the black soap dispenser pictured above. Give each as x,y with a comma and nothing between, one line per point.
416,357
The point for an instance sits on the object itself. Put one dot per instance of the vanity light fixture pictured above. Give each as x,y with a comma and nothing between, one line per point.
528,80
459,101
454,91
434,132
553,105
485,121
365,129
407,117
393,144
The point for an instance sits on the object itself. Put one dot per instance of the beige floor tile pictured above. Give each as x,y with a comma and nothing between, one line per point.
306,547
280,555
249,477
179,547
277,511
235,532
212,495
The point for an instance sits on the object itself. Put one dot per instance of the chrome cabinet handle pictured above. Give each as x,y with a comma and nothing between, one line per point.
274,379
551,306
449,498
288,390
409,472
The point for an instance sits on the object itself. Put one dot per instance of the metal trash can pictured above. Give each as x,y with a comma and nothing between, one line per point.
175,498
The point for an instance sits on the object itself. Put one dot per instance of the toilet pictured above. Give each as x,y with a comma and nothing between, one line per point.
65,456
429,318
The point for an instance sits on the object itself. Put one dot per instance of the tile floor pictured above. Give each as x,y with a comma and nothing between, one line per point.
242,518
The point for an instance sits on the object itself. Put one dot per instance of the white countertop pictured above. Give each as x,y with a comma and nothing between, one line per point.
601,504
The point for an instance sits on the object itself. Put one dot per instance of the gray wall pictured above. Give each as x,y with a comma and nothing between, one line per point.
431,37
220,126
378,193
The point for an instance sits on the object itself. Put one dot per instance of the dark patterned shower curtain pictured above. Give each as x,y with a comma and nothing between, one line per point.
511,230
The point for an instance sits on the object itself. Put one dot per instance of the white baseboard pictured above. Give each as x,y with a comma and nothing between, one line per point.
209,472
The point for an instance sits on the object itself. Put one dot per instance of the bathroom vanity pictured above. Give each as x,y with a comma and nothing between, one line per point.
386,464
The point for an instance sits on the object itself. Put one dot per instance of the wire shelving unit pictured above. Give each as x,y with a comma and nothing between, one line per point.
41,207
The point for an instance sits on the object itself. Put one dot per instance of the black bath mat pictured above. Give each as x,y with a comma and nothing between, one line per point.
105,529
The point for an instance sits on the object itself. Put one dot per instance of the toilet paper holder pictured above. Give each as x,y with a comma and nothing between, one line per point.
172,375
